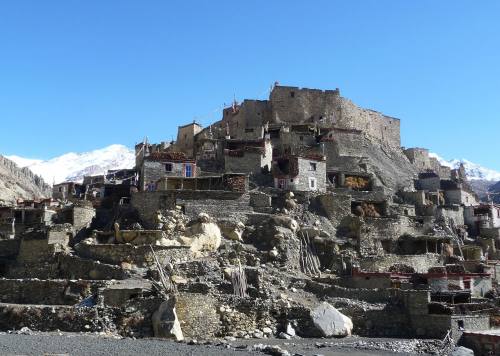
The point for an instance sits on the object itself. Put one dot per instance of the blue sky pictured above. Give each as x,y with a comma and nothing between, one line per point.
79,75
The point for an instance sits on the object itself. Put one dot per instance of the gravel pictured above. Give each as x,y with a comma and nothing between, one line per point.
75,344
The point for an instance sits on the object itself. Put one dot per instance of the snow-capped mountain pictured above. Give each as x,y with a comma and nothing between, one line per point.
73,166
474,171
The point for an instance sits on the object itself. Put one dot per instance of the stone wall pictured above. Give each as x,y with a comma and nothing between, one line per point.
185,138
50,292
295,105
420,158
306,174
372,231
138,255
377,125
198,315
74,267
246,122
432,184
37,250
216,203
250,162
454,212
333,291
82,217
459,196
420,263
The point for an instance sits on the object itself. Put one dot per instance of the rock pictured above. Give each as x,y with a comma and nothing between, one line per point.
290,330
126,265
258,334
274,350
267,330
26,331
232,230
285,221
202,236
165,322
330,322
285,336
462,351
310,231
290,204
179,280
227,273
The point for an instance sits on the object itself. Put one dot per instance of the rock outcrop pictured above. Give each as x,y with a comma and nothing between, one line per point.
18,183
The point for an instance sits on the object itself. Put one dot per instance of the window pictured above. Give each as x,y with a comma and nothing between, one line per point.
312,166
169,167
301,138
292,94
460,324
189,170
312,183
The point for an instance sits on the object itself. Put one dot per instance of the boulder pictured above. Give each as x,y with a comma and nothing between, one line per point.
165,322
330,322
232,230
203,235
462,351
285,221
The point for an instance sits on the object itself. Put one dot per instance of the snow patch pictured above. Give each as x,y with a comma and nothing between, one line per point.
474,171
74,166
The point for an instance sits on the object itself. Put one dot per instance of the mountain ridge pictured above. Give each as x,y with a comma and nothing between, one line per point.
73,166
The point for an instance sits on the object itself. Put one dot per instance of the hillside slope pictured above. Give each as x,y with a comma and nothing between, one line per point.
16,182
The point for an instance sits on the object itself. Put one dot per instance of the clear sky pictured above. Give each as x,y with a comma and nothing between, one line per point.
76,75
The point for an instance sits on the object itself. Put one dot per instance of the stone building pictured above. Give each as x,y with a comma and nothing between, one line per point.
164,164
185,138
421,159
327,108
67,190
307,173
248,156
483,219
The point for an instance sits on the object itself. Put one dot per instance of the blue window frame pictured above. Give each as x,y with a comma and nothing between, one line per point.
189,170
